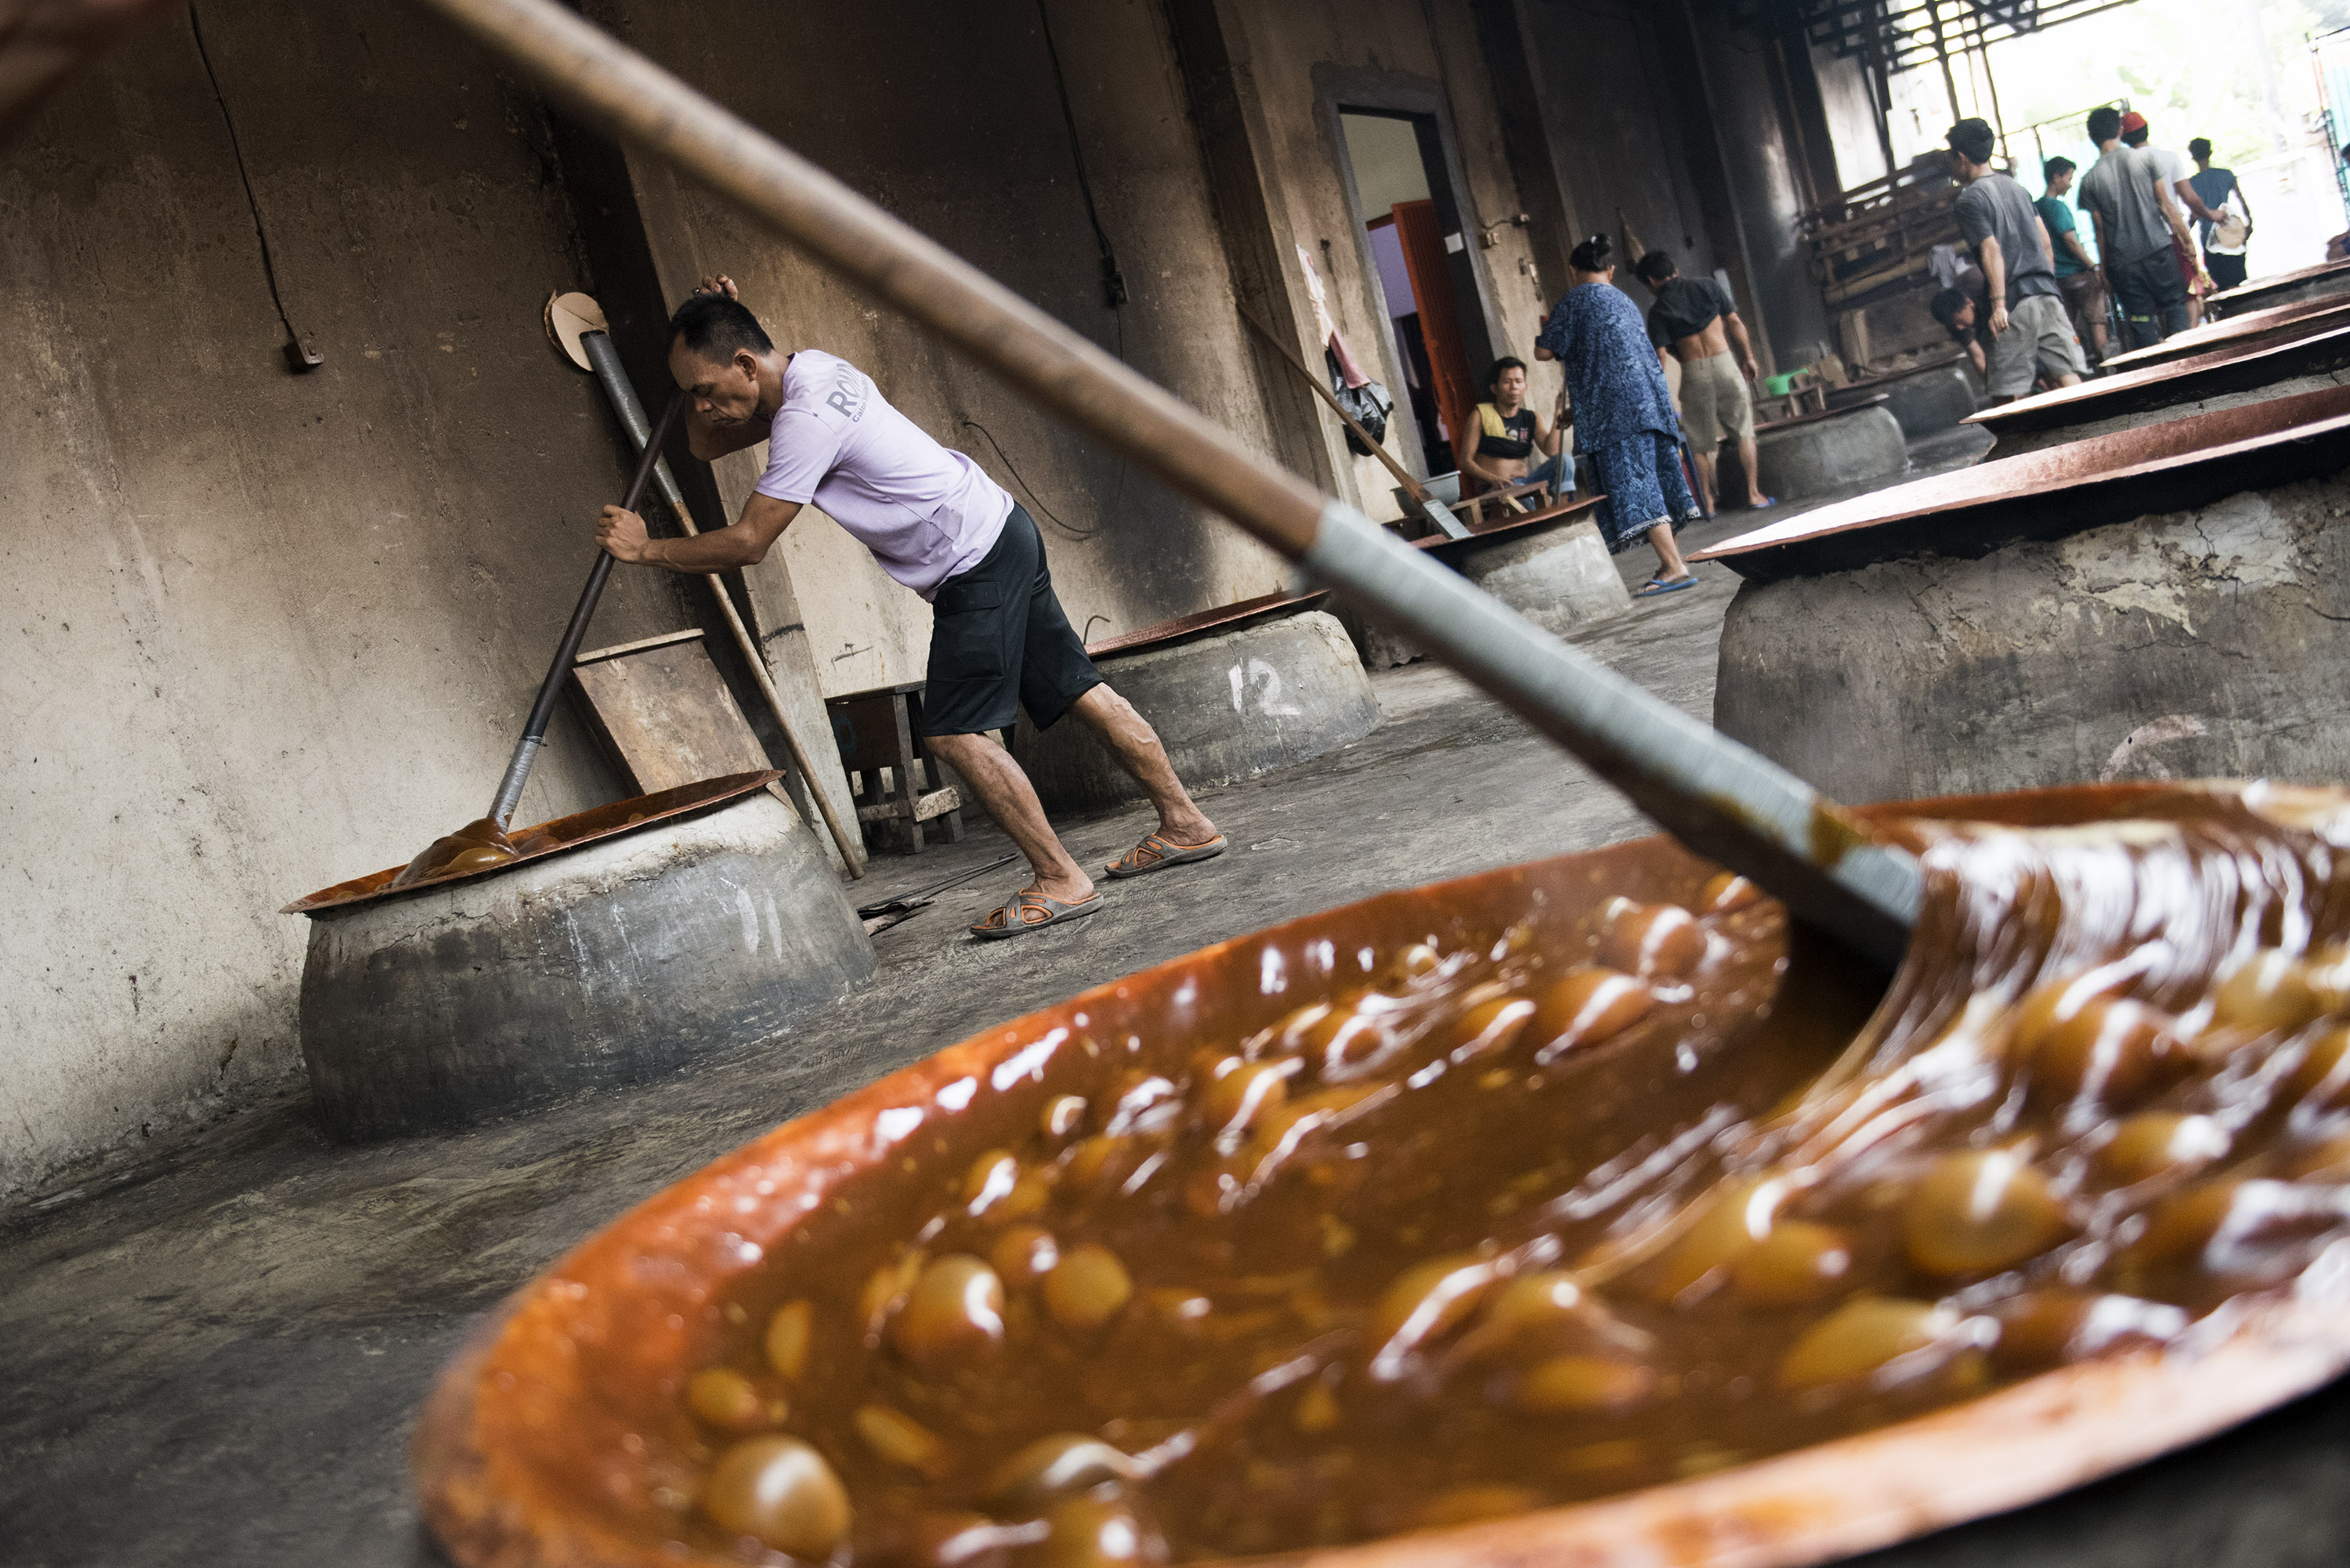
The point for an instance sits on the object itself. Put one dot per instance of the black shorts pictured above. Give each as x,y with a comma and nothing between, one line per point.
999,639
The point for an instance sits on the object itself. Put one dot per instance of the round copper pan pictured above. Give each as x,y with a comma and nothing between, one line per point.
569,832
2173,465
2235,368
530,1435
2253,294
2245,330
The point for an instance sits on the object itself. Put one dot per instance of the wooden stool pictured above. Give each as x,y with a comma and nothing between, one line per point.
877,730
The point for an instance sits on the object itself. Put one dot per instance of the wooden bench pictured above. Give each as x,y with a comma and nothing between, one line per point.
879,733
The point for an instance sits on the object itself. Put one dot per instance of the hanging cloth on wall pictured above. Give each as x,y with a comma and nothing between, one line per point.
1365,401
1325,324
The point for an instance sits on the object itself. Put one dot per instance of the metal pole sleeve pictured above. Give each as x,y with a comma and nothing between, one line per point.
1717,796
517,774
622,394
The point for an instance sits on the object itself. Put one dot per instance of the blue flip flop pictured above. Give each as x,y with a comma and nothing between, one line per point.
1657,585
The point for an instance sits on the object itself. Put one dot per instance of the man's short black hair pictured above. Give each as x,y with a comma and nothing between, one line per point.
2057,169
1974,140
1506,362
2199,150
714,326
2104,123
2136,138
1946,307
1657,266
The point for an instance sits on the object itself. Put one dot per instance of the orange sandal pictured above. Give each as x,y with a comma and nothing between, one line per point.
1157,852
1015,916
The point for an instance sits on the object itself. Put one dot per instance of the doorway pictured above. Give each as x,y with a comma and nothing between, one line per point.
1413,238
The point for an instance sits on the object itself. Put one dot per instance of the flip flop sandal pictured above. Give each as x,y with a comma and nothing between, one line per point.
1657,585
1157,852
1767,503
1012,918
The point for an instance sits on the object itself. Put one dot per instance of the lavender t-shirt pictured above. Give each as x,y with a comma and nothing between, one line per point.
925,511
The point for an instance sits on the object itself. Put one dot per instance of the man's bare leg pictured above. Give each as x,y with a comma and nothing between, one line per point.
1135,746
1705,478
1753,462
1003,788
1670,567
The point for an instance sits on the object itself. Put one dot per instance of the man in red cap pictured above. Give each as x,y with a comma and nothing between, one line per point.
2176,175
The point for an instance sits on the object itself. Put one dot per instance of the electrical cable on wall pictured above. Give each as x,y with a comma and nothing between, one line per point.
301,353
1052,515
1113,280
1115,293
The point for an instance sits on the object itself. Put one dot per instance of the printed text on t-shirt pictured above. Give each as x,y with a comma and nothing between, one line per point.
848,397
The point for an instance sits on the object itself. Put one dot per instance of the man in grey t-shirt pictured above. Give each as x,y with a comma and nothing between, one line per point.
2135,222
2030,331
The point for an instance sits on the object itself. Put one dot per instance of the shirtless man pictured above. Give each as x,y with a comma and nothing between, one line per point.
942,527
1697,323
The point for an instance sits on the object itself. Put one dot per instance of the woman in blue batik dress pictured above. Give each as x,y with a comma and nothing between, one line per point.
1623,414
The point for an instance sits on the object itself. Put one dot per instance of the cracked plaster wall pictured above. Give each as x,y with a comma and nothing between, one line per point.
2206,643
266,632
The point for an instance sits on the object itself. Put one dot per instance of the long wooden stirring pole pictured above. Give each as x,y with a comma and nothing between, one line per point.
567,652
605,360
1717,796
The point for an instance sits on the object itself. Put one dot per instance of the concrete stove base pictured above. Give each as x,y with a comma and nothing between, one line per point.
614,963
2198,644
1227,707
1559,577
1928,401
1821,455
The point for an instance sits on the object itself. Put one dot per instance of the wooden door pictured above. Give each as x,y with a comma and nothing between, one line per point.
1439,322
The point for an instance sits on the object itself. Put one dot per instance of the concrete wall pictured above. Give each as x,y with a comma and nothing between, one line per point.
1665,118
267,632
1759,150
1617,129
1310,59
954,125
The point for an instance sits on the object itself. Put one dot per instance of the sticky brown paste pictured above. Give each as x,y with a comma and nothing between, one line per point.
1461,1222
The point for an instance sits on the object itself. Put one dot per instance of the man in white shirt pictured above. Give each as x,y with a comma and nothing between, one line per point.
938,524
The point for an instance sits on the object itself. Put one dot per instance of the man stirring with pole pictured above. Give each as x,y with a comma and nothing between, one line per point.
938,524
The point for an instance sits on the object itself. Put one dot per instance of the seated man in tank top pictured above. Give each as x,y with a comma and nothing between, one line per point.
938,524
1697,323
1510,434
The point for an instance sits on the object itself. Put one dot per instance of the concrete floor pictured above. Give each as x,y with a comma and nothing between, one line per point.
215,1359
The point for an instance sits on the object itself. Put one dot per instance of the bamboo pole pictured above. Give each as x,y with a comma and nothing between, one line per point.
1717,796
